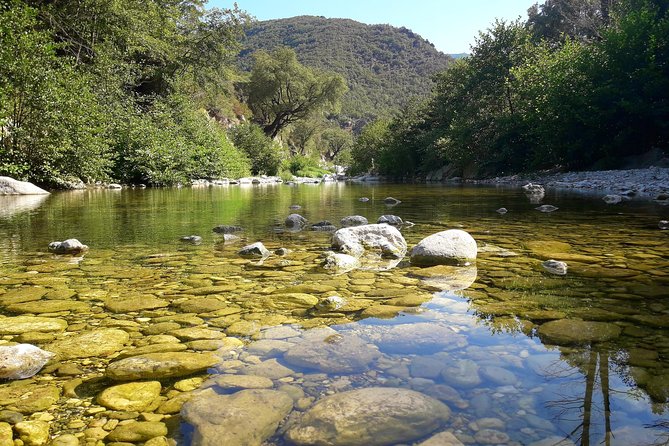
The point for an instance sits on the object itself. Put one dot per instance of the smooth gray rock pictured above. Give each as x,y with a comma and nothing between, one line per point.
612,199
22,361
392,220
340,263
10,186
453,246
546,208
374,416
391,201
324,225
339,354
192,239
69,246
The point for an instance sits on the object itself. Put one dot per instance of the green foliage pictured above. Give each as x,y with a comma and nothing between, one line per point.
303,166
532,97
262,150
282,91
368,146
383,66
336,145
112,90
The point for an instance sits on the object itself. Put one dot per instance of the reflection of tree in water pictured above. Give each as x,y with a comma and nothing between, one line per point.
591,415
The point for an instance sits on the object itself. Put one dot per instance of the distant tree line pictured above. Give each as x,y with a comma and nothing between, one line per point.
581,84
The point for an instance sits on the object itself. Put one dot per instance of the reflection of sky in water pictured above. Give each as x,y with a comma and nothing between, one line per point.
546,392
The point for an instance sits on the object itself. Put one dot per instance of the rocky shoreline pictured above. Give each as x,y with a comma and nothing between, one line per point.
650,182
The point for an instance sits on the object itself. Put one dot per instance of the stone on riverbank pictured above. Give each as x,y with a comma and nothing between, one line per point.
453,246
392,220
10,186
248,417
160,365
555,267
373,416
22,361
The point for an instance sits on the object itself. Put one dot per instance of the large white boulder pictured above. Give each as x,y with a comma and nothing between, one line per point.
453,246
381,238
10,186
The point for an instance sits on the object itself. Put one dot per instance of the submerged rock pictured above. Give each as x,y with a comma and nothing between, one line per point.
571,331
353,220
502,211
192,239
448,277
375,416
555,267
138,396
160,365
534,189
87,344
340,263
391,201
10,186
31,324
332,353
663,224
453,246
227,229
546,208
256,250
612,199
69,246
363,199
323,226
248,417
22,361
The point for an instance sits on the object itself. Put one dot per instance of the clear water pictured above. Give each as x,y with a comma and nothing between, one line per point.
530,387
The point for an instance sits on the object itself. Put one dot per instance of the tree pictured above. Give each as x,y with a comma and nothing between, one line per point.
335,143
281,91
265,154
367,147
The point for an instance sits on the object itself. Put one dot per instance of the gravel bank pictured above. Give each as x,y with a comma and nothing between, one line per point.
649,182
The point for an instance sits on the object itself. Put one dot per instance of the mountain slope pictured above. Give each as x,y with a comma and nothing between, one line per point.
384,66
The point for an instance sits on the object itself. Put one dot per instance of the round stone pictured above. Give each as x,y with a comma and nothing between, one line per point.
569,331
137,396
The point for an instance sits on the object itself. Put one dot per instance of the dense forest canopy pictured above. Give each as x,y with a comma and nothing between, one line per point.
581,84
384,66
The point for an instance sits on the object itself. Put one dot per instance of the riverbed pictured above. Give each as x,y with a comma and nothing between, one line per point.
497,352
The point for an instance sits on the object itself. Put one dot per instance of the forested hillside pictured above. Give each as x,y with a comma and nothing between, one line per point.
383,66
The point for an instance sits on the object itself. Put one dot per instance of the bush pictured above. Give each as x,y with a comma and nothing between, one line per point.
263,152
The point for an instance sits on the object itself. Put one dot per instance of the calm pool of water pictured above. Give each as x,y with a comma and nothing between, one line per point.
518,356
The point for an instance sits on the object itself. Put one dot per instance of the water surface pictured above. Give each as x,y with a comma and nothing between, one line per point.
480,350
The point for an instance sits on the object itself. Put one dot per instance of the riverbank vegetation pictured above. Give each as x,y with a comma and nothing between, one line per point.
155,92
581,84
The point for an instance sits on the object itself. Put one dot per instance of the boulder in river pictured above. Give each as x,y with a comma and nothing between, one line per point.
295,222
374,416
612,199
22,361
69,246
392,220
10,186
391,201
382,238
324,226
453,246
502,211
340,263
192,239
663,224
254,250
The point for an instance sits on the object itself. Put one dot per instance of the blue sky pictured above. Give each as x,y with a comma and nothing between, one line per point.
450,25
